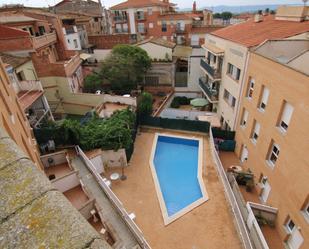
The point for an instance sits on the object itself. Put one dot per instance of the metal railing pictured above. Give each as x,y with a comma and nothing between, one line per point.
115,201
241,225
214,73
212,94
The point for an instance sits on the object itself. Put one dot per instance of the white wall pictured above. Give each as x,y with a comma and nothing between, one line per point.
194,74
123,100
59,158
156,51
69,38
131,13
101,54
183,114
235,54
98,163
112,158
67,182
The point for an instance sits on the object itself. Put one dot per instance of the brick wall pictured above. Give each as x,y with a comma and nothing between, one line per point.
15,44
109,41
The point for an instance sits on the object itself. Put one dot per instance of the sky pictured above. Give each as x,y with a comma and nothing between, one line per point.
180,3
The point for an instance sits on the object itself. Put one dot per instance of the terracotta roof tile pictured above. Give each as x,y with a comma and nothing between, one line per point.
251,34
8,32
140,3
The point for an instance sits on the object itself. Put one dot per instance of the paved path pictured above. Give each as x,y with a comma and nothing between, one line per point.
109,212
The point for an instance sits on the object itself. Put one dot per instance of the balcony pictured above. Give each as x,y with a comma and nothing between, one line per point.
212,72
44,40
180,30
140,17
120,19
211,94
66,68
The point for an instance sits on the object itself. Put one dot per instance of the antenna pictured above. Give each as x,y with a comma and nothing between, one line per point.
305,1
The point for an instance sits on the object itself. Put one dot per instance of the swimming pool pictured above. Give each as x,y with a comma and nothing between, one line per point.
176,164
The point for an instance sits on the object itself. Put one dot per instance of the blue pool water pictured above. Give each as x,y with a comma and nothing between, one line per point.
176,164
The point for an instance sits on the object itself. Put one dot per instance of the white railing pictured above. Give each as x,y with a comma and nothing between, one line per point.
241,225
115,201
30,85
184,114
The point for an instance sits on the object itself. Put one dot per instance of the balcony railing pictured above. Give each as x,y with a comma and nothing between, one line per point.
44,40
71,65
30,85
212,94
118,19
142,31
214,73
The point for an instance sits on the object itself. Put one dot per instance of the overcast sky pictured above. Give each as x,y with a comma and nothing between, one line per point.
181,3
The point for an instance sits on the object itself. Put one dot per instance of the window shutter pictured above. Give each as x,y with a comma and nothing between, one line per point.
287,113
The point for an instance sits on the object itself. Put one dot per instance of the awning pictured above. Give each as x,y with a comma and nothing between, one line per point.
213,48
85,56
182,52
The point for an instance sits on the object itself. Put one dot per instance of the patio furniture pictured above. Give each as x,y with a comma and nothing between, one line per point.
114,176
199,102
132,216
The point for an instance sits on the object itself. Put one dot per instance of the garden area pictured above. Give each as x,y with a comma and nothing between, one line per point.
90,133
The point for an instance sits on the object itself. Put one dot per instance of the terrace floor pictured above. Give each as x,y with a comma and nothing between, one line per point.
27,98
76,196
58,170
271,234
208,226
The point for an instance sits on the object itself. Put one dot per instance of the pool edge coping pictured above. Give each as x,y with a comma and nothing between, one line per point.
169,219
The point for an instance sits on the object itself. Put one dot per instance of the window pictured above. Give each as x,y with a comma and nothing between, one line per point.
149,11
229,98
75,43
140,27
96,19
233,71
244,119
250,88
286,116
69,41
164,26
264,98
255,131
42,30
150,25
274,154
140,15
290,225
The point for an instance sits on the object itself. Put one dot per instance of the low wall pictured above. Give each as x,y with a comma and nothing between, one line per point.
183,114
98,163
67,182
101,54
58,157
122,100
113,159
86,208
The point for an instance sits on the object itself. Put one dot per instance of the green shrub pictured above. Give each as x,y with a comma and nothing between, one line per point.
175,103
180,100
145,104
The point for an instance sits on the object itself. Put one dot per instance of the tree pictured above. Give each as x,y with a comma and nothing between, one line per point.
92,83
144,107
125,67
217,16
226,15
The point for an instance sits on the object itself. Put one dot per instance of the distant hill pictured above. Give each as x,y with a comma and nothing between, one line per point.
239,9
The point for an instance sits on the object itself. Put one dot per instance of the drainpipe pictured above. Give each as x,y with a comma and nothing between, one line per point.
241,89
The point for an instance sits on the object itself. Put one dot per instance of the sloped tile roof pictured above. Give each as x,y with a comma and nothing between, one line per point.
140,3
8,32
251,34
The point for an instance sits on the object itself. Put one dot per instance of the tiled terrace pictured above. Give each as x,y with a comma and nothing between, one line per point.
76,196
208,226
58,171
271,235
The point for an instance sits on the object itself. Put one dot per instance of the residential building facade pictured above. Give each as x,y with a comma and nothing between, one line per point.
271,133
158,18
13,118
227,55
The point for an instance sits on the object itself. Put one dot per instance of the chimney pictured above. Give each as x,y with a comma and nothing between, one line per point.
258,18
194,7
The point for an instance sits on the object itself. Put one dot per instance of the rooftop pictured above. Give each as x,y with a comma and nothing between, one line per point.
9,32
251,33
291,53
140,3
158,41
10,18
32,213
14,61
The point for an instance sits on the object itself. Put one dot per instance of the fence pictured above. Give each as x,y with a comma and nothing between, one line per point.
115,201
176,124
241,225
